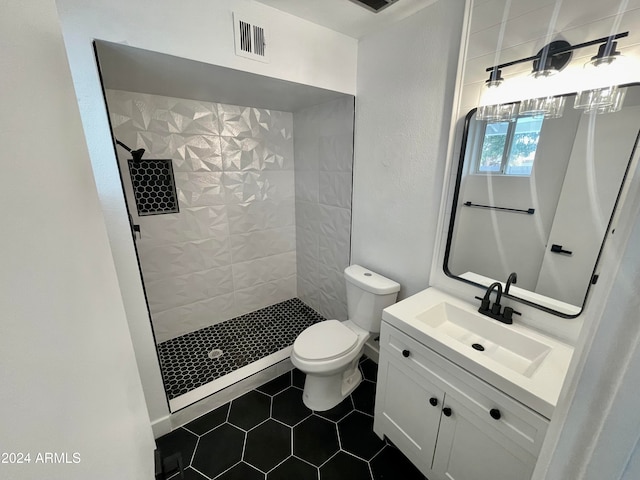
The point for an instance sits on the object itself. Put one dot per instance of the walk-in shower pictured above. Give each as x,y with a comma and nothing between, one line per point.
255,249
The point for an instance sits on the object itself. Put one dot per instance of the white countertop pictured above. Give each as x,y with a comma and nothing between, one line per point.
539,391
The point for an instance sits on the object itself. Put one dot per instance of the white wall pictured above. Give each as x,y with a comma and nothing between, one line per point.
69,377
200,30
406,79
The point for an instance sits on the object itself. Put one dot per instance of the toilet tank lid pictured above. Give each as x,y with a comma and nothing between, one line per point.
370,281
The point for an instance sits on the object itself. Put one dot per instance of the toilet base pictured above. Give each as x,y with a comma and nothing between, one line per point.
322,393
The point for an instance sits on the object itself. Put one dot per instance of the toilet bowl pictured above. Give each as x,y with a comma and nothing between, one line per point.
328,352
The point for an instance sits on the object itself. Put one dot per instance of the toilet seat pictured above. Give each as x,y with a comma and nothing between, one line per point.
325,341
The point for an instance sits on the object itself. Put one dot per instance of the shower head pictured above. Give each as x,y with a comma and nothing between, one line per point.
136,155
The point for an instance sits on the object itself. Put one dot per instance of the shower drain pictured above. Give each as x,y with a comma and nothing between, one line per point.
215,353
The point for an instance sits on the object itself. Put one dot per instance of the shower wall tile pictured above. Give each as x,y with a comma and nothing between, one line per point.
191,224
333,251
198,189
188,318
323,149
254,245
253,298
308,243
180,290
252,216
335,189
336,153
264,270
181,258
138,111
234,172
307,186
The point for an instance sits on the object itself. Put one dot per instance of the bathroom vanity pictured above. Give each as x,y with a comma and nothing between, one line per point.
462,396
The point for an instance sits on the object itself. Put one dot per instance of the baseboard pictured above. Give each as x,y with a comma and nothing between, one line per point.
372,349
161,426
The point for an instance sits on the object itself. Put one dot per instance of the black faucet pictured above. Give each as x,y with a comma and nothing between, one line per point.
494,311
512,280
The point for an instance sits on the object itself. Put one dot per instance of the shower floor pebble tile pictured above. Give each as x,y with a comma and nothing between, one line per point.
186,361
269,434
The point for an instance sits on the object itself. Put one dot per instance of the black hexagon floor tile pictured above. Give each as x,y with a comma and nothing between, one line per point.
289,408
315,440
247,438
179,441
241,471
364,397
276,385
391,464
357,436
250,410
219,450
297,378
268,445
293,469
339,411
344,466
208,421
191,474
369,369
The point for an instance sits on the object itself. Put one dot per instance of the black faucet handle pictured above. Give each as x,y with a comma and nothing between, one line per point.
485,303
507,315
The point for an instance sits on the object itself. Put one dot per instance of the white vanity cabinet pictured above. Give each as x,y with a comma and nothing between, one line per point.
449,423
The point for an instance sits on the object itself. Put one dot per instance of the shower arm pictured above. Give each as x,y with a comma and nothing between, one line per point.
136,155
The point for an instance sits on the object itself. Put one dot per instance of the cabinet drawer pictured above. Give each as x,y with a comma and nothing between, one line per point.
516,421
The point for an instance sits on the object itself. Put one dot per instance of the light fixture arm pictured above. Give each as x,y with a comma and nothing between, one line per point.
608,41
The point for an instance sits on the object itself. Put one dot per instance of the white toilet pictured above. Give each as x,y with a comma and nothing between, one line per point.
328,352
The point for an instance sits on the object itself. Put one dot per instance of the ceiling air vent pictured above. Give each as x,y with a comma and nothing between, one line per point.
374,5
250,38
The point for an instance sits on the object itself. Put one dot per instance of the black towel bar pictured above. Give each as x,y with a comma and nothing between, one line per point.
528,211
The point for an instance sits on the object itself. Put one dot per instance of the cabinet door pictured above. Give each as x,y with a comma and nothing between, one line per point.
469,448
407,411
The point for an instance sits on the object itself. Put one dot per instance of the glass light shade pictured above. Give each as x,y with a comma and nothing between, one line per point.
614,105
547,107
598,97
501,112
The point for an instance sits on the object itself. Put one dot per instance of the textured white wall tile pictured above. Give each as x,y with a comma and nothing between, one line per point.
335,189
181,258
307,185
308,243
174,291
254,298
190,224
238,121
197,189
336,153
307,267
260,215
178,321
334,222
309,293
334,251
250,246
308,216
264,270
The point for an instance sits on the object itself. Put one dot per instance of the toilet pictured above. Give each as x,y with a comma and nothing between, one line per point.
328,352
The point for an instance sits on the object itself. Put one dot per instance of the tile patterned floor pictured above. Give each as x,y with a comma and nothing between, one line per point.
185,360
268,434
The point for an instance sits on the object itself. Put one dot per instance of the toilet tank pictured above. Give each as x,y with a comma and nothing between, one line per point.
367,295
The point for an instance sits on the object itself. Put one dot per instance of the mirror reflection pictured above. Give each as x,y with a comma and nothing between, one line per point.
535,196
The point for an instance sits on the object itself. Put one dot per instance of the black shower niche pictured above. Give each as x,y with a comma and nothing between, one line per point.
153,186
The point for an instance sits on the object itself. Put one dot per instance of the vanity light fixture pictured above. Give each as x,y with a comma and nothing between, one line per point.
542,92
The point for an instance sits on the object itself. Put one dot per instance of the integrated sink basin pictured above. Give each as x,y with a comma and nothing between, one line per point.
495,341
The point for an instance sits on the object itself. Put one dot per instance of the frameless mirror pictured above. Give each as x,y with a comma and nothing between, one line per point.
536,196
